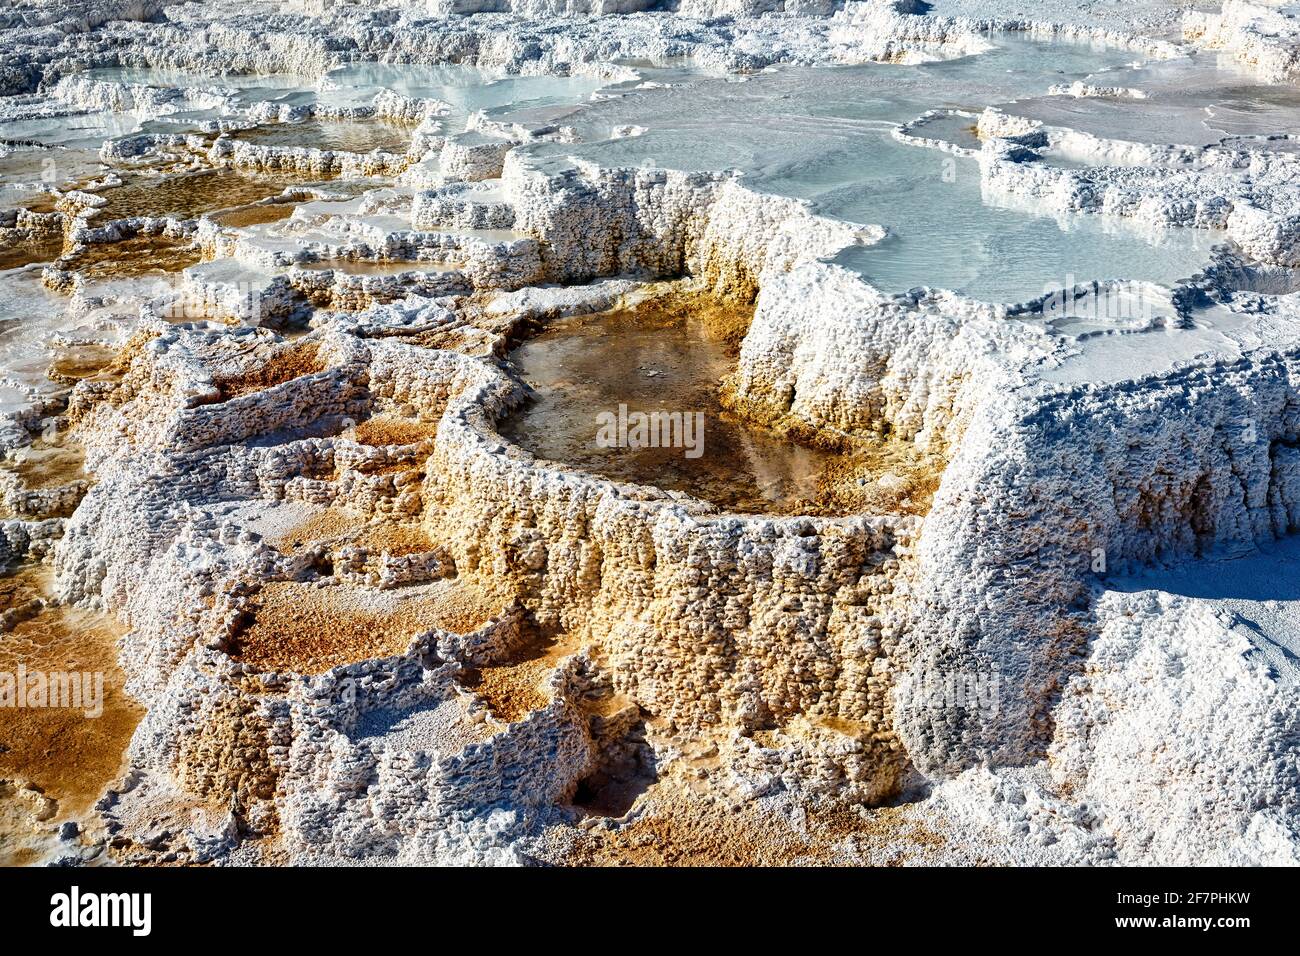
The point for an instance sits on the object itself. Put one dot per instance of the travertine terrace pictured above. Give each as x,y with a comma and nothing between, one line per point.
1001,315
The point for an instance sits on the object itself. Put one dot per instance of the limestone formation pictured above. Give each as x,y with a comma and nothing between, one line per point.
265,434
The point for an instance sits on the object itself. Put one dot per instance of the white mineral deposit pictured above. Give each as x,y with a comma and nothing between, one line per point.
584,433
